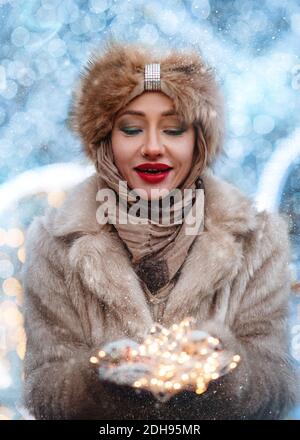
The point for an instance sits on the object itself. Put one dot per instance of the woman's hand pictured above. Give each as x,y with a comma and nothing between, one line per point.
201,355
118,367
124,374
118,379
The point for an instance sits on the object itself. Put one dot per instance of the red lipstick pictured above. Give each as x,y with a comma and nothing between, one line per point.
153,172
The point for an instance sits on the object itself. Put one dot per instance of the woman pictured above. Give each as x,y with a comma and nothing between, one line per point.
89,282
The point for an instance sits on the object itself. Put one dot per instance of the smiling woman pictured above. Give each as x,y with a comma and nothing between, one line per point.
155,121
148,138
155,151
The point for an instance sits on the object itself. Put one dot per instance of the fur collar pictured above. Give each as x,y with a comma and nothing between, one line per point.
212,263
225,206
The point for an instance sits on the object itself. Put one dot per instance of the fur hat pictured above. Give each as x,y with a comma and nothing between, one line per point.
113,78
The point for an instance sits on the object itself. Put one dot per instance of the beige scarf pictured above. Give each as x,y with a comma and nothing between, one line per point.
159,246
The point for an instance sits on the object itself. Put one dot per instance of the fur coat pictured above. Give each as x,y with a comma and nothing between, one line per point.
81,292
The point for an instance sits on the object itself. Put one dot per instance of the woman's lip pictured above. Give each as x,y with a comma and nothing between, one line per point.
153,178
166,168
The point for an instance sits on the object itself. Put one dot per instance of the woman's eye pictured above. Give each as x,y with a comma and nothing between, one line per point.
133,131
175,132
130,131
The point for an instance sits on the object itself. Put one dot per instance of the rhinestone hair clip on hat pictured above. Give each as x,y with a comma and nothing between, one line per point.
152,77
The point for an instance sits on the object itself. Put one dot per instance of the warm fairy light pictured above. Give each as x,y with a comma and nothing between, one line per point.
12,287
94,360
213,341
215,376
10,315
21,254
168,360
21,348
14,237
5,413
56,198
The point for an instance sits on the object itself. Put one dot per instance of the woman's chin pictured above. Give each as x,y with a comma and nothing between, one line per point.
151,192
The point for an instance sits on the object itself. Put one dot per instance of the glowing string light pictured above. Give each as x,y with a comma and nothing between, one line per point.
168,361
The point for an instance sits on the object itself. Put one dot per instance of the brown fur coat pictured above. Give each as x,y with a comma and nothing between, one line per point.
81,291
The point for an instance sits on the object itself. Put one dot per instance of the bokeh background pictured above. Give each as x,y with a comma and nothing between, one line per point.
253,46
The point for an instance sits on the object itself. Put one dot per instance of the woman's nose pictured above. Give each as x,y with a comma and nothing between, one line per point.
153,145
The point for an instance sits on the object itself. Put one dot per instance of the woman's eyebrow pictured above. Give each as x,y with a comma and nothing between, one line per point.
170,112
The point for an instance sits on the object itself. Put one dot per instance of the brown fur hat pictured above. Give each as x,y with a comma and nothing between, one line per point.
116,76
